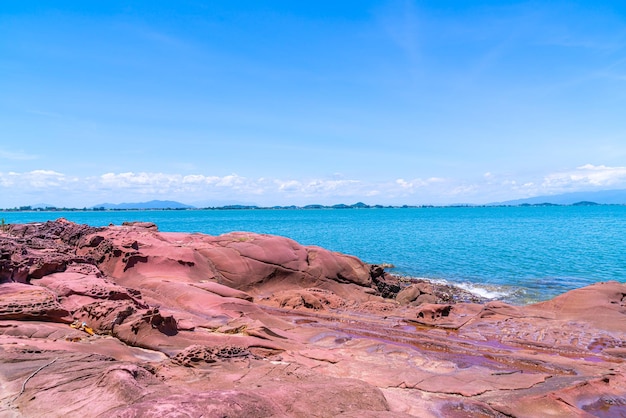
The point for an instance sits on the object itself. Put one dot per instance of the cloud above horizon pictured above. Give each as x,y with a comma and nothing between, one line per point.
385,102
64,190
587,175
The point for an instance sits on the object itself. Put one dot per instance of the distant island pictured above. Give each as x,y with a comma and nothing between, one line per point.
605,197
153,204
173,205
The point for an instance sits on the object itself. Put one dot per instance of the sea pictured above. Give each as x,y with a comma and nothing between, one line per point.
521,254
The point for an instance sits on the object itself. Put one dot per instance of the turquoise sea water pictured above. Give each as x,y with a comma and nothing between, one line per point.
519,254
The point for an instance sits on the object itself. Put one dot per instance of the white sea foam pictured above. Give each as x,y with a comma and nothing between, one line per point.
484,291
481,290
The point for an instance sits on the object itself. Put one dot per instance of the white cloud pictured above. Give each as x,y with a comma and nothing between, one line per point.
289,185
411,185
232,181
7,180
53,187
162,183
36,179
140,182
324,186
586,176
46,178
194,179
318,187
465,191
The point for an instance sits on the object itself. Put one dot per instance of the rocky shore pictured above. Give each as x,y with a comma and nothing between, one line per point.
127,321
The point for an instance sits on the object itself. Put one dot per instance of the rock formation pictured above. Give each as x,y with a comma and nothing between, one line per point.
127,321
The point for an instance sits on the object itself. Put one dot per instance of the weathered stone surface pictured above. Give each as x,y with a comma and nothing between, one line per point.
312,298
129,321
211,404
24,302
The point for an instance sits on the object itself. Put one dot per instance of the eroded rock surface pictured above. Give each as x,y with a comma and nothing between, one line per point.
127,321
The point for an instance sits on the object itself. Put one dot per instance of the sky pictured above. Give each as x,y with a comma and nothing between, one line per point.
309,102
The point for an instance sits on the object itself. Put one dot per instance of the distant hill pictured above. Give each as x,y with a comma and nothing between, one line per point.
153,204
604,197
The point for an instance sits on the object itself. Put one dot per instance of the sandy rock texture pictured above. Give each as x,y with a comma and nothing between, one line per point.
127,321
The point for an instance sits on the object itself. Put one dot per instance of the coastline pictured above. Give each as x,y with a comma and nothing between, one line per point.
247,324
442,292
520,255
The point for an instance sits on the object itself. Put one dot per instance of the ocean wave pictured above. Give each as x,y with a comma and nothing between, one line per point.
506,293
487,291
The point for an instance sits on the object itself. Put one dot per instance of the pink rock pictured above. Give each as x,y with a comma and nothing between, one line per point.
255,325
24,302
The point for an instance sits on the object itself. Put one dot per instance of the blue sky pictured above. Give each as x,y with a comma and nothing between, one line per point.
294,102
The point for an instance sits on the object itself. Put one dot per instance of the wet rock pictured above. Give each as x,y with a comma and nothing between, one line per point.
412,292
147,225
387,285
